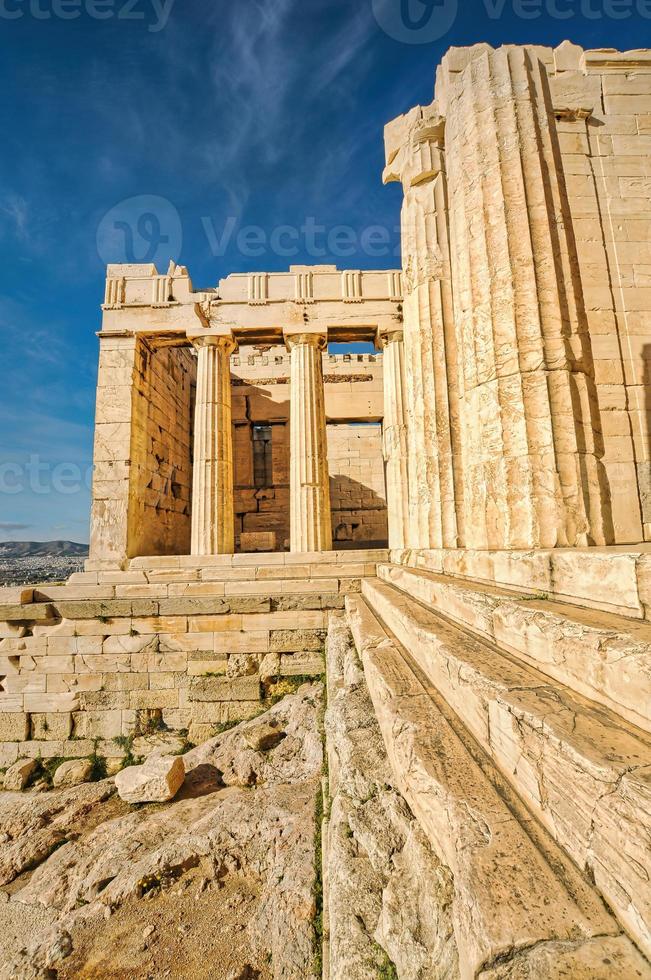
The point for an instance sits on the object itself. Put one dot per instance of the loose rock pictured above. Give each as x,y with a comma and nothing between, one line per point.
73,773
18,775
158,780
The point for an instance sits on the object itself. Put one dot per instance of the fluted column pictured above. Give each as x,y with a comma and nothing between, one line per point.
213,531
395,437
416,157
310,520
534,476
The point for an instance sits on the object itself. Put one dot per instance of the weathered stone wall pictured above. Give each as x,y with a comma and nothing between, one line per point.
162,452
607,164
169,642
143,457
109,524
357,485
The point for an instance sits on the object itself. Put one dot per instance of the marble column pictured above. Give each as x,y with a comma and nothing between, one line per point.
395,437
310,520
213,530
416,158
534,473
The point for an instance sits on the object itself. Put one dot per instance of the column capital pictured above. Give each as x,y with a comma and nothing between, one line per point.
390,335
309,338
226,342
415,146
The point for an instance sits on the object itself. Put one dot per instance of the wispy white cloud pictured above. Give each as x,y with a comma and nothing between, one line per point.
14,213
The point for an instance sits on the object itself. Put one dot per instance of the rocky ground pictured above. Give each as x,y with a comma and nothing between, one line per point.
377,859
219,883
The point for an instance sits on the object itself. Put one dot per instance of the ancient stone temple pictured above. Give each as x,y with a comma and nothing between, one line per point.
194,453
460,519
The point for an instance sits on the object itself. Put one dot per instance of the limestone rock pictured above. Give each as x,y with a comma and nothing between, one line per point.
261,839
377,859
14,726
72,773
160,743
238,762
18,775
263,737
158,780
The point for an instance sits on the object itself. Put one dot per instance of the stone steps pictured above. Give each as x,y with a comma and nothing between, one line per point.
605,657
219,575
616,578
583,770
518,900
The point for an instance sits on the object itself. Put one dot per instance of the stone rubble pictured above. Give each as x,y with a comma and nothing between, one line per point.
157,780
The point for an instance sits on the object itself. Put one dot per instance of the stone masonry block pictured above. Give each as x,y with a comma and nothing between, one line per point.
207,663
104,700
246,641
51,726
8,753
218,712
293,641
14,726
35,612
249,604
193,606
297,664
246,688
154,699
97,724
125,682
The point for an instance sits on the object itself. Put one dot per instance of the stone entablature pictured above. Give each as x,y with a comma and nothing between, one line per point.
347,305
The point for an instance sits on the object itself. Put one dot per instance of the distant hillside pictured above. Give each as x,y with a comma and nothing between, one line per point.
28,549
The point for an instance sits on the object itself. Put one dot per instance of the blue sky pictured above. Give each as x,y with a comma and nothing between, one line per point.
235,113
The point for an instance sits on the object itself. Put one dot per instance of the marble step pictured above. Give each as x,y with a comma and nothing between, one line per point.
579,767
518,900
603,656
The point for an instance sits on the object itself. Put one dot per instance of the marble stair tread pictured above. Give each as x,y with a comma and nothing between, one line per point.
603,656
582,769
514,889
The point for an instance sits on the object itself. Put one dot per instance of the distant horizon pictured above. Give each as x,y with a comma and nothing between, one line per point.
81,544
